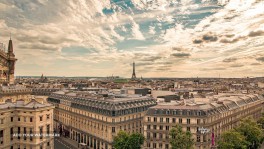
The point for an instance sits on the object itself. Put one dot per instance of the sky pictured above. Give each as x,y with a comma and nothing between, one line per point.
165,38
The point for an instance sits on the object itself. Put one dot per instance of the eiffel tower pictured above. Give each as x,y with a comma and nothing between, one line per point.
134,73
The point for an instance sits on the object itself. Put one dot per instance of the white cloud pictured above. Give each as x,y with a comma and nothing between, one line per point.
152,30
136,33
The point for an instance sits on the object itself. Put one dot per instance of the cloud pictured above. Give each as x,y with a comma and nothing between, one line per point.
209,37
229,40
181,55
256,64
179,49
151,58
260,59
152,30
216,68
197,41
228,60
256,33
136,33
237,65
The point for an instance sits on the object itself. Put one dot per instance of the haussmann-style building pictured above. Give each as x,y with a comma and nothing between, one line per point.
93,120
205,118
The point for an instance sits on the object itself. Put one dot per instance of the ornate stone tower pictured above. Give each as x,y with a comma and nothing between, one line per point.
134,72
11,63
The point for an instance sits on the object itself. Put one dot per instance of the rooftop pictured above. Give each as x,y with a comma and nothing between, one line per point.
33,104
210,105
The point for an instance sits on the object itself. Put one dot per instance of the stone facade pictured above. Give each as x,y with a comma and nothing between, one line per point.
205,118
26,121
7,64
95,119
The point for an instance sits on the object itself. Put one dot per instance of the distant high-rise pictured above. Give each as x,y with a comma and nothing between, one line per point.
134,72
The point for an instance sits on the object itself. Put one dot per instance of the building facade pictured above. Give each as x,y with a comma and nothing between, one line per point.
26,121
205,118
7,64
94,119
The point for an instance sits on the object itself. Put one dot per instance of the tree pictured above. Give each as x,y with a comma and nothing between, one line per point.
124,140
252,132
261,125
232,140
136,140
261,121
180,139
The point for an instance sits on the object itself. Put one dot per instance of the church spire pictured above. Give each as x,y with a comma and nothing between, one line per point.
10,45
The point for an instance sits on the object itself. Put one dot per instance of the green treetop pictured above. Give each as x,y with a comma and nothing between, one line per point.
180,139
124,140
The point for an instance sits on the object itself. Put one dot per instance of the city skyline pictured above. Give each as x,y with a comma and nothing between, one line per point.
164,38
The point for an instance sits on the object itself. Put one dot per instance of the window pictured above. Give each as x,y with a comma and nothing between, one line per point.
2,136
167,127
40,118
2,121
148,135
154,135
31,134
188,121
148,144
180,121
188,129
167,137
161,119
154,145
167,120
11,119
160,145
48,143
18,119
154,126
25,132
161,127
48,116
41,132
166,146
18,132
204,138
31,119
160,135
174,120
155,119
148,127
113,129
11,133
48,129
198,138
198,121
148,119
